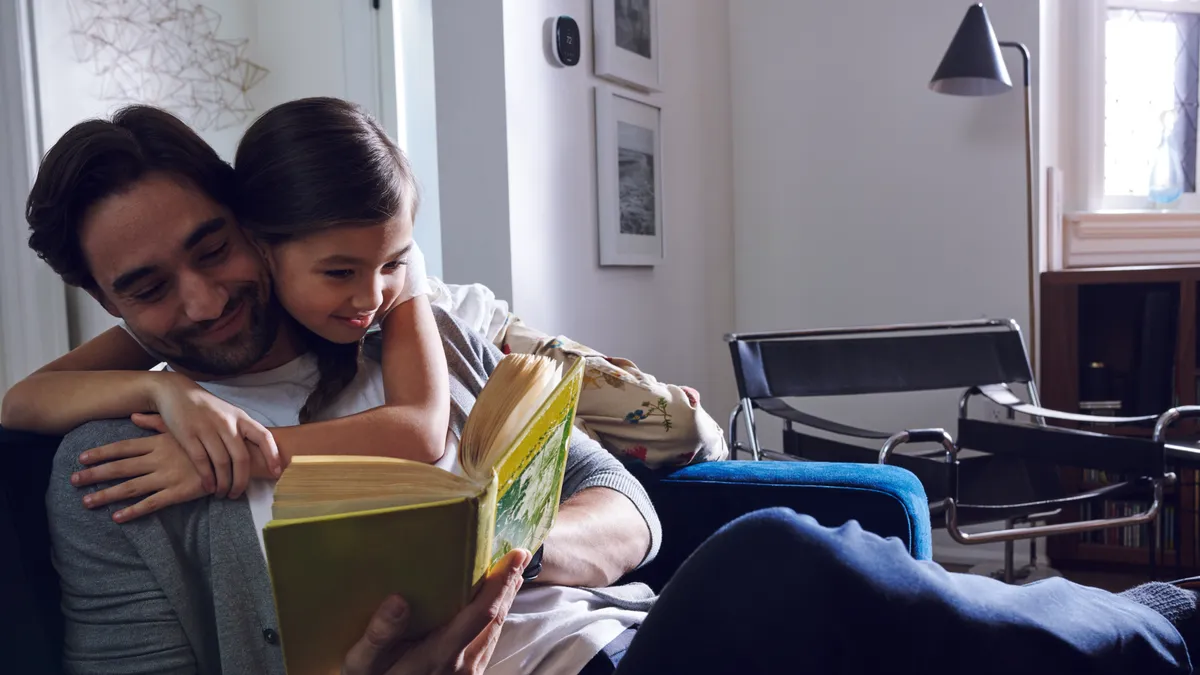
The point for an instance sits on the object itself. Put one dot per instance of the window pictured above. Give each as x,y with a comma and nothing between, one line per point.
1120,118
1150,79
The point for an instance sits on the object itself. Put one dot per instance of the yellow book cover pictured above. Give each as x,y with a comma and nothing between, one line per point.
347,531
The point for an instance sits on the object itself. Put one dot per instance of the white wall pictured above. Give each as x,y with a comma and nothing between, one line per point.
1070,115
416,92
669,319
861,196
1049,113
300,42
468,56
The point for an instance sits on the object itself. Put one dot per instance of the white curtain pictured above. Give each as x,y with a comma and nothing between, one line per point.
33,313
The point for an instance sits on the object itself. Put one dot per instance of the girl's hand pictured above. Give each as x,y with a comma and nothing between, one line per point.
213,433
155,465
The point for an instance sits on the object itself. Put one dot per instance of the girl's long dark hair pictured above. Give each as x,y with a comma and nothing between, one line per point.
314,164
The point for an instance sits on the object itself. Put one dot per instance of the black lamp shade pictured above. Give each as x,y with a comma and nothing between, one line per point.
972,65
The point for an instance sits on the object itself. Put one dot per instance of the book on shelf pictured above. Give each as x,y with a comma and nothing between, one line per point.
1130,536
1100,408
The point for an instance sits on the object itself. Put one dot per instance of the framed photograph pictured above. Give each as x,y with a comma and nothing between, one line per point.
629,173
625,42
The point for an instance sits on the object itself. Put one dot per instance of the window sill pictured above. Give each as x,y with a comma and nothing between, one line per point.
1121,238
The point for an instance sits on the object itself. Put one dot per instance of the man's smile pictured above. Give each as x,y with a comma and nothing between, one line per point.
227,326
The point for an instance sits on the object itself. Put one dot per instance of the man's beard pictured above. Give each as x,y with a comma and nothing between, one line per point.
231,357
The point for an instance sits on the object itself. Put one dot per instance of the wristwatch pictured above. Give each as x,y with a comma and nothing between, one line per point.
534,567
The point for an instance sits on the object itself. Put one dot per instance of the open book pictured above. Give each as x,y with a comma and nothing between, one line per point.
347,531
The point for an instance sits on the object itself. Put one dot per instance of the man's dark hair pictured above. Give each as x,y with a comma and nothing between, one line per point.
97,159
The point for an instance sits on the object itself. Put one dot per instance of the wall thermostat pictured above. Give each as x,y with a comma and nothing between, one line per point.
565,35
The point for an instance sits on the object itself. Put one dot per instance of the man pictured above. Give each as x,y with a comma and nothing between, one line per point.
774,592
187,589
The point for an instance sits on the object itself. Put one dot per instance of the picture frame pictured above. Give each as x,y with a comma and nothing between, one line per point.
625,43
629,179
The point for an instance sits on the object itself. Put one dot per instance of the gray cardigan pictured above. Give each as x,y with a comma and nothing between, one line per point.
186,590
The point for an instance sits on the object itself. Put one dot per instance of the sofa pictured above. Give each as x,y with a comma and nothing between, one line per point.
692,502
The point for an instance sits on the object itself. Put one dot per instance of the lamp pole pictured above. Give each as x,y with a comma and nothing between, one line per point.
973,66
1030,222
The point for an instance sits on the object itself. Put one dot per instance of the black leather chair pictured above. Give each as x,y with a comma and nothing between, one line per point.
990,470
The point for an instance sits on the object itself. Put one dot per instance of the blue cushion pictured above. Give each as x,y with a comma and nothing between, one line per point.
886,500
696,501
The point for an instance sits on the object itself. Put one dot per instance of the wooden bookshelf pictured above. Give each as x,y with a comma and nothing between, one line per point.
1096,315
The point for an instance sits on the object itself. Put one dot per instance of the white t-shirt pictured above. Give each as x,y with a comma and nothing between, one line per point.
415,280
550,630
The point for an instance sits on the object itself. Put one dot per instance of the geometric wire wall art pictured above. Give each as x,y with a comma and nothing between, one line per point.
166,53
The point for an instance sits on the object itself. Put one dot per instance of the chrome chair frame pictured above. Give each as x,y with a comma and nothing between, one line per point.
999,394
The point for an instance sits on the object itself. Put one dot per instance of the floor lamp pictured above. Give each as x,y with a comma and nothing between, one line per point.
973,66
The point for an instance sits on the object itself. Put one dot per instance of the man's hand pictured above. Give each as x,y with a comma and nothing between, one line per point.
462,647
154,465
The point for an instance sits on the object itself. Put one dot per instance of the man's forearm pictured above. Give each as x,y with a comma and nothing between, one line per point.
56,402
599,537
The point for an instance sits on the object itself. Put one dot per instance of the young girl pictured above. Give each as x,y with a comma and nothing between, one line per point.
329,200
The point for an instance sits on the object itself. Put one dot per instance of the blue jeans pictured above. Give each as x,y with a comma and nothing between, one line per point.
774,592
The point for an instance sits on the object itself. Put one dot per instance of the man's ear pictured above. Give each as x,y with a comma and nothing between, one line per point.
99,296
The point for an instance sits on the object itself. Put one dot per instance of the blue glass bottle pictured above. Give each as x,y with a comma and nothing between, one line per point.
1166,169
